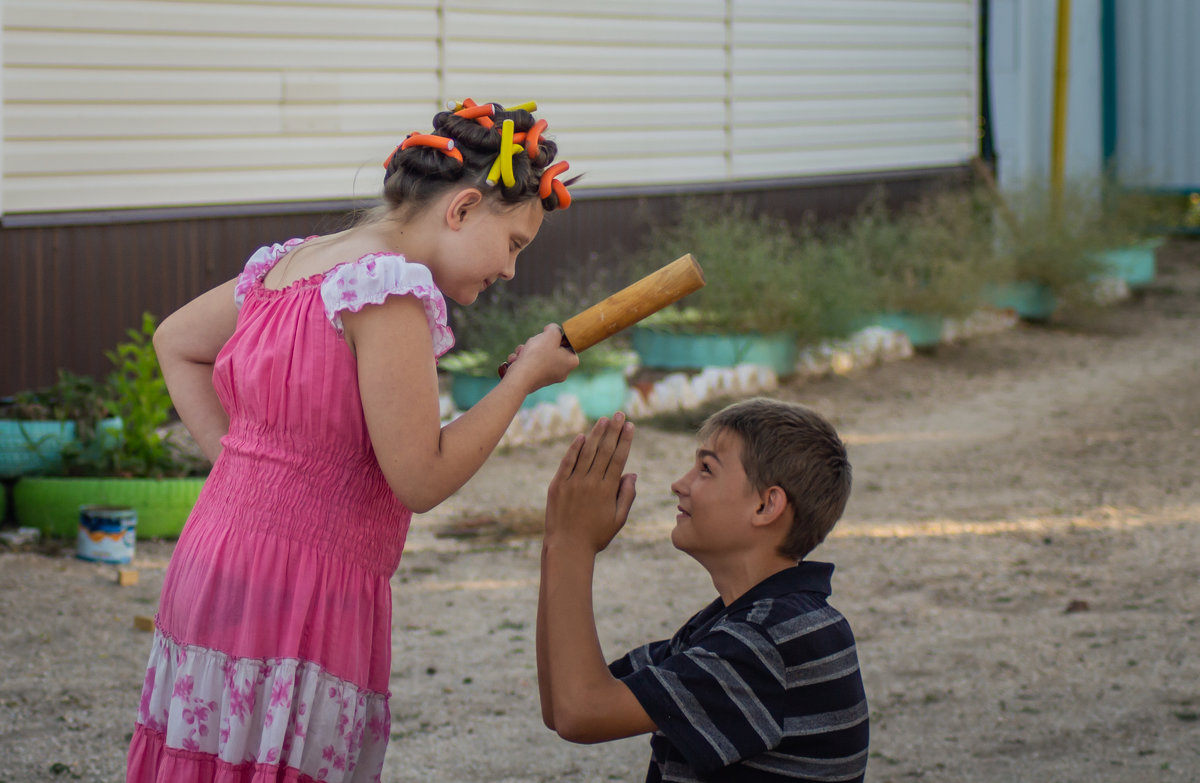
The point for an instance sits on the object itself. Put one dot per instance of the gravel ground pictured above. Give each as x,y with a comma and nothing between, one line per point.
1020,561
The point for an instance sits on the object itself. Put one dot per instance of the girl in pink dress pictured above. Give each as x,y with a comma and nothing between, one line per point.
310,380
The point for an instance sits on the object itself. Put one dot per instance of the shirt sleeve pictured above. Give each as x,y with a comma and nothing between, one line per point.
719,700
646,655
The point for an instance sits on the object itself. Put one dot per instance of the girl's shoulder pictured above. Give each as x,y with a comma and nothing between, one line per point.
259,264
352,285
372,278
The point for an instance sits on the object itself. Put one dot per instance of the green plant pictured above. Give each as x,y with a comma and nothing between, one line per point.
141,398
72,397
933,257
1054,241
489,330
754,269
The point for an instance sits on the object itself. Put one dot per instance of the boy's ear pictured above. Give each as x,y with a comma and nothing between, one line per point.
772,504
461,205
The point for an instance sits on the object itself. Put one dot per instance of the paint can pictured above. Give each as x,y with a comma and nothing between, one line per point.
107,534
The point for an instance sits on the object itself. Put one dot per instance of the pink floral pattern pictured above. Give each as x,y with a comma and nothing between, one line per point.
278,711
372,279
356,284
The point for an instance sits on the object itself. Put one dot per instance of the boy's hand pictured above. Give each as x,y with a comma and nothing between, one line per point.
589,498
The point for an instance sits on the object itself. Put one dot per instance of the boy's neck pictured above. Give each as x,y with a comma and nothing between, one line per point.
734,577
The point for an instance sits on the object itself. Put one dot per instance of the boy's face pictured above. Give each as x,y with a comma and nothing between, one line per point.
716,500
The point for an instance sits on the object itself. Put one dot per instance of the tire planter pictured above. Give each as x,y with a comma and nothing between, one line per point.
662,350
52,504
599,393
1135,264
1030,300
33,446
922,330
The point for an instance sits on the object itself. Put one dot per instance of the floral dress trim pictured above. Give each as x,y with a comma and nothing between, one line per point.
278,711
372,279
355,284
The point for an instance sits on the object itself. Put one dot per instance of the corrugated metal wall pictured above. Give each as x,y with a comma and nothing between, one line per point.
138,103
1158,94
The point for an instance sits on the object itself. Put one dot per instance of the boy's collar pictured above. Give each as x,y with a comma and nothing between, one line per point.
807,576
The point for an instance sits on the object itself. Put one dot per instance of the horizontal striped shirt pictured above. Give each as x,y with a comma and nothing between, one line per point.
766,689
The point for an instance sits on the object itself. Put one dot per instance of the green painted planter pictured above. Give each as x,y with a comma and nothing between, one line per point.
663,350
1135,264
1030,300
28,447
52,504
922,330
599,393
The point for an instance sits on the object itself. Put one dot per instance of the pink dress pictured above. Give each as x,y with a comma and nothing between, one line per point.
272,649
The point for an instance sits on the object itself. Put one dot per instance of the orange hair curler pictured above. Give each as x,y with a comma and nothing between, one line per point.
442,143
560,190
475,112
548,176
532,137
388,160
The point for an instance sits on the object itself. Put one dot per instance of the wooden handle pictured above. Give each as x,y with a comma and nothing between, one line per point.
633,303
630,305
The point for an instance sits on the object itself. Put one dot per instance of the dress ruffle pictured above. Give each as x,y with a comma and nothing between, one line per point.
256,719
352,285
372,279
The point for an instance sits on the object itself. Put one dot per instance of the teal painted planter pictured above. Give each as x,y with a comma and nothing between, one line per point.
1030,300
921,329
599,393
52,504
663,350
1135,264
28,447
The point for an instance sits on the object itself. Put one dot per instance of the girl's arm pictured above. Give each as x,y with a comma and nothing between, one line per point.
187,343
423,462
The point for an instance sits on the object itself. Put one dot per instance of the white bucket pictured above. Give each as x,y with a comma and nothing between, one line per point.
107,534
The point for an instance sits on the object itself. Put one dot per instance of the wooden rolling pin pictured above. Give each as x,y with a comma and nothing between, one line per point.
631,304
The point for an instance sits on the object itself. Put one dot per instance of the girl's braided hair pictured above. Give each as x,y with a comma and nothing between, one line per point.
418,174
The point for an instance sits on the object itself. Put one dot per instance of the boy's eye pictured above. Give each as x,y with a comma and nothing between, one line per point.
704,468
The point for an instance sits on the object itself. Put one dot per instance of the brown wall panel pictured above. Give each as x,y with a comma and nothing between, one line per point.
70,292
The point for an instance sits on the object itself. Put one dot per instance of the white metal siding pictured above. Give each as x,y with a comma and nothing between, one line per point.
1158,94
130,103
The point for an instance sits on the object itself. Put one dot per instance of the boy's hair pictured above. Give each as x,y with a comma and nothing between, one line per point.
793,447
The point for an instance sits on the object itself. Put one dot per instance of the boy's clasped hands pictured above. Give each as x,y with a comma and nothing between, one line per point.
589,497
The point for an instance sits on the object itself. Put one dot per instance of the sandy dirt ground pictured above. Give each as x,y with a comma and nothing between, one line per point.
1020,561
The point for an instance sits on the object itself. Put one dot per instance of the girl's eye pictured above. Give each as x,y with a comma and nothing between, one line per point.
704,468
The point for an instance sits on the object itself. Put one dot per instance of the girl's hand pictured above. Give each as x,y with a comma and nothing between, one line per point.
542,360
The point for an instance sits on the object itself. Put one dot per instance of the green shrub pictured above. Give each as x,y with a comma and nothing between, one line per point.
754,270
933,257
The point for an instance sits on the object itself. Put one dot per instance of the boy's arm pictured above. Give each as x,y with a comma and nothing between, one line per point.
587,504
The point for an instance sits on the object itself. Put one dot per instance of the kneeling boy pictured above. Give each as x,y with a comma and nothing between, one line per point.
761,685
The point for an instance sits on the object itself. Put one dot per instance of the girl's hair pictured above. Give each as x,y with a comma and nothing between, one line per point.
419,174
793,447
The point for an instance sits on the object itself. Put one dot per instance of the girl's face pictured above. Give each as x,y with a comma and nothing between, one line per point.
484,245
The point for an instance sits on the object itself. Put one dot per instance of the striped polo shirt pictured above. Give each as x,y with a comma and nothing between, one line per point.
766,689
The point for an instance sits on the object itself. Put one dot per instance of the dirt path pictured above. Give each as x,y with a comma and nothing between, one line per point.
1020,561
